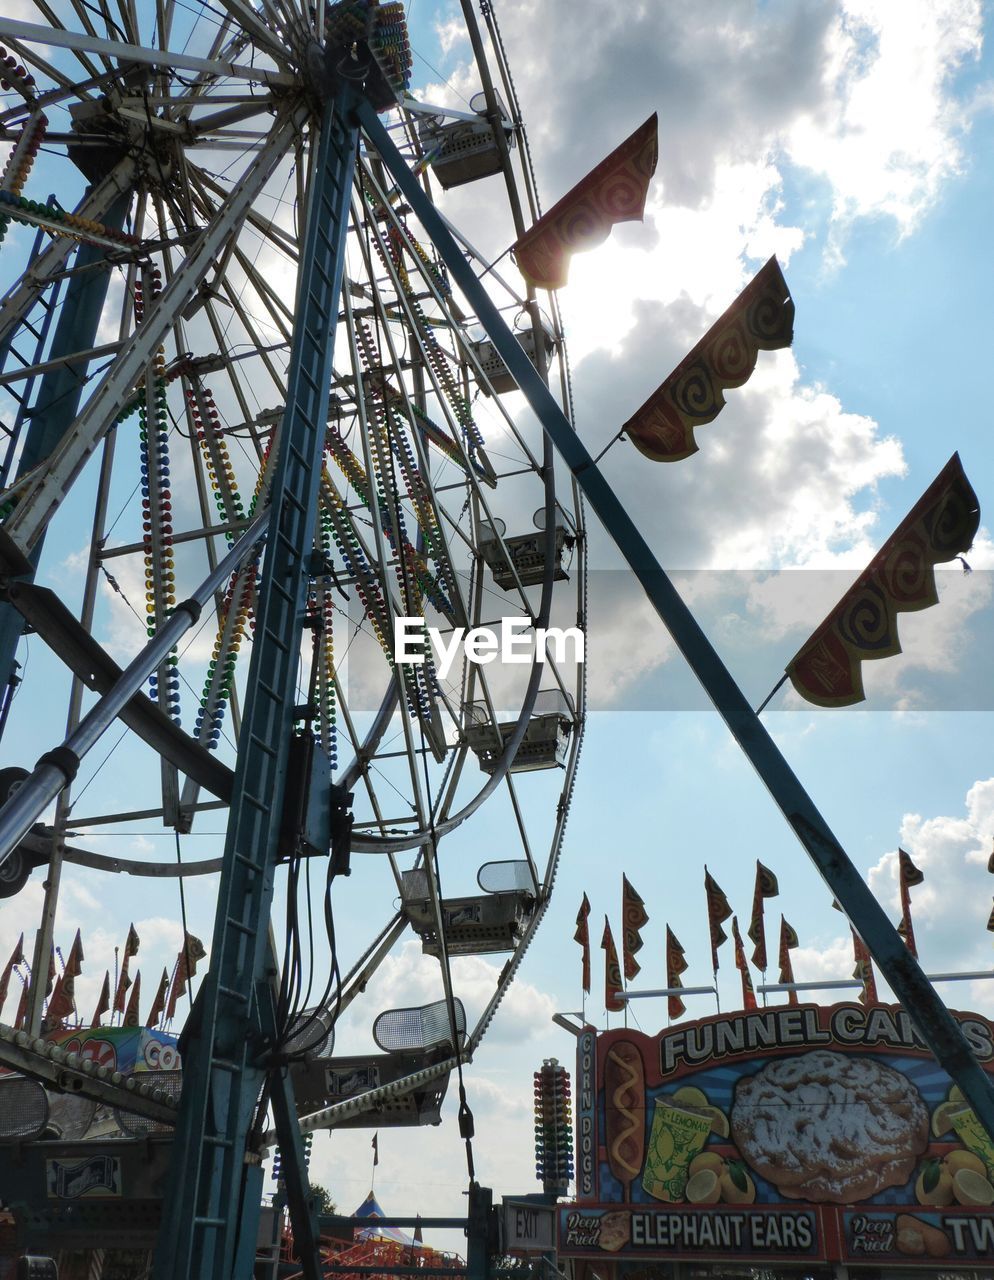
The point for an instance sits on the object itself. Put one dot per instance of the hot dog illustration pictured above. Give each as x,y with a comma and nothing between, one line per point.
624,1096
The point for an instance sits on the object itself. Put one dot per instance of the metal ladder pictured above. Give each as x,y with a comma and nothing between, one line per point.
214,1190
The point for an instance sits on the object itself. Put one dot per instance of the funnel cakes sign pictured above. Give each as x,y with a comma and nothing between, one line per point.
797,1132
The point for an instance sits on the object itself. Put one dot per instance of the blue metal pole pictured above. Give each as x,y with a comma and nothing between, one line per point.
211,1207
61,390
937,1026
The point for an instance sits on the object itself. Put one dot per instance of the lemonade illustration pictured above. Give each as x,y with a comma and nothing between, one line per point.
677,1136
974,1136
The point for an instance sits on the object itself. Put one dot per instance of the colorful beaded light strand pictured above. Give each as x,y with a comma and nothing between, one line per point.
153,436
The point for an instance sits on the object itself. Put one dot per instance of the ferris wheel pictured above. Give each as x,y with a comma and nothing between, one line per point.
177,264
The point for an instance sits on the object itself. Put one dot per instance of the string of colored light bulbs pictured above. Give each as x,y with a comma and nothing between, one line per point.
237,617
157,527
420,679
434,355
13,206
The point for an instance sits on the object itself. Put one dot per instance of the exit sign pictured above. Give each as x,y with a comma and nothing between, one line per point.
529,1228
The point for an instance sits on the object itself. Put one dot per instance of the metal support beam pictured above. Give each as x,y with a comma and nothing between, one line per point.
60,393
211,1209
939,1030
58,767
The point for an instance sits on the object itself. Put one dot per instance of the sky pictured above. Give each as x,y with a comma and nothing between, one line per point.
849,138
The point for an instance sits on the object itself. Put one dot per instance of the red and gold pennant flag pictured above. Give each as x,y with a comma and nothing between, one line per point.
103,1003
863,625
675,965
131,944
613,192
190,953
582,936
633,917
909,875
612,972
131,1015
718,911
159,1001
16,958
760,319
766,887
22,1006
748,994
864,970
63,1000
788,941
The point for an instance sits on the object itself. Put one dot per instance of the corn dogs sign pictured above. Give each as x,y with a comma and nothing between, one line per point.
792,1133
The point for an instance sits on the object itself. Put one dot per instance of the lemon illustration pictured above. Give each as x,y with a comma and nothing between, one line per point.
704,1188
664,1145
935,1184
957,1160
970,1187
942,1116
689,1096
956,1094
736,1185
719,1121
707,1160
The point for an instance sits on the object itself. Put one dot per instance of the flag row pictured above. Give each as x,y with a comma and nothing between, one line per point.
634,917
60,990
826,670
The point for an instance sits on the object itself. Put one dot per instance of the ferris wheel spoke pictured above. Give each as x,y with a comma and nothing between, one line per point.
251,22
36,509
15,32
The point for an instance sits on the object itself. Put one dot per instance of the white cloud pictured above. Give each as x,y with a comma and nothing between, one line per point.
887,133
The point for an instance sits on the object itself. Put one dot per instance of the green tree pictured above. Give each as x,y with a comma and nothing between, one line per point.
322,1199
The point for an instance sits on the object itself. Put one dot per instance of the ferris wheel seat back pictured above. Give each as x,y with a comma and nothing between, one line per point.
420,1028
23,1109
327,1081
498,377
479,924
464,151
546,739
522,558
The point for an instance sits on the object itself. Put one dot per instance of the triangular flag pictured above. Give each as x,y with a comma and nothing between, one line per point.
612,972
760,319
826,669
159,1002
124,981
748,994
864,970
909,875
788,941
132,1017
718,911
103,1004
675,965
766,887
582,936
633,917
615,191
16,958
